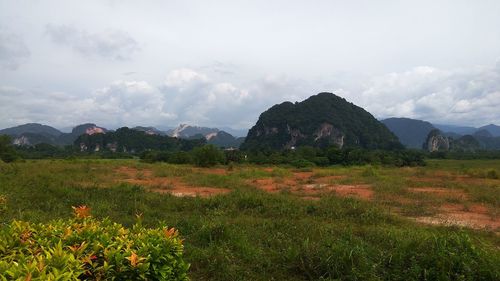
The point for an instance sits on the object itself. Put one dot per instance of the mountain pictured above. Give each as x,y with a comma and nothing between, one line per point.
412,133
483,133
235,132
436,141
33,128
460,130
186,131
32,133
134,141
493,129
467,143
149,130
83,129
223,139
87,128
321,120
220,139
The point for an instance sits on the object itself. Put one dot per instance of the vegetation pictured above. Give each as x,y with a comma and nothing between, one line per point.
88,249
304,156
208,156
7,151
134,141
249,234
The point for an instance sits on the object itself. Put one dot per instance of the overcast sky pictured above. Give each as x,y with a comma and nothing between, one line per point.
221,63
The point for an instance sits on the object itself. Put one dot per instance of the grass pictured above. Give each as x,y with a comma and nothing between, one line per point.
249,234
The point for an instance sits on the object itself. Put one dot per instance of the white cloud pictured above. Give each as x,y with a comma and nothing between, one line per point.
185,77
130,103
110,44
461,96
13,50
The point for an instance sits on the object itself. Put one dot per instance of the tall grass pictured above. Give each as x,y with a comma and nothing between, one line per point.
252,235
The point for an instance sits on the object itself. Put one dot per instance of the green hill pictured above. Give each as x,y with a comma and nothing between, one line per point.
321,120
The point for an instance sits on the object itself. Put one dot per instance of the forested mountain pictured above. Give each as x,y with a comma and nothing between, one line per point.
33,133
482,140
186,131
321,120
458,130
33,128
88,128
225,140
149,130
494,130
129,140
412,133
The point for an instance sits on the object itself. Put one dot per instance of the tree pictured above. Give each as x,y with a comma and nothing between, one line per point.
7,151
335,155
207,156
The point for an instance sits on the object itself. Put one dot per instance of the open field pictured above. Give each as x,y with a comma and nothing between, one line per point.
279,223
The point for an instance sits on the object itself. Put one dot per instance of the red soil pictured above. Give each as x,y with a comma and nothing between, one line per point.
172,185
304,185
362,191
475,216
441,192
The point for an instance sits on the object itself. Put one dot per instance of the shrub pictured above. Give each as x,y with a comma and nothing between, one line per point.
492,174
301,163
7,152
207,156
84,248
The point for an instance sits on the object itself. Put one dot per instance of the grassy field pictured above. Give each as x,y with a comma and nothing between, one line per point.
439,222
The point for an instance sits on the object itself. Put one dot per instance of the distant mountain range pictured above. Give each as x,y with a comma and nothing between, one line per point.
34,133
411,133
324,118
421,134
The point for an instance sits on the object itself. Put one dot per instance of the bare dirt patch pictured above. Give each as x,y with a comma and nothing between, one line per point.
475,216
308,187
362,191
441,192
302,175
171,185
191,191
131,172
330,179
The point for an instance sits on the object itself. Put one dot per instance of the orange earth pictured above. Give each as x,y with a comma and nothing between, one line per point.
309,186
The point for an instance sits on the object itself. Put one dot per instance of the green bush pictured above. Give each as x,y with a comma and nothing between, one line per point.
207,156
89,249
492,174
7,152
302,163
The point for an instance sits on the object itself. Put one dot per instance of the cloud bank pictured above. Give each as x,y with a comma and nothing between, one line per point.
13,51
460,96
110,44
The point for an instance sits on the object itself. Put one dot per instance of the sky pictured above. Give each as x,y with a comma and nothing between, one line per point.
222,63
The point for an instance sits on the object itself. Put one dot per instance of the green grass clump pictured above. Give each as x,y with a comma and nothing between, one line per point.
492,174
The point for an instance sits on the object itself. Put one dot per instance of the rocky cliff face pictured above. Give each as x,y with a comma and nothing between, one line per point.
437,142
321,120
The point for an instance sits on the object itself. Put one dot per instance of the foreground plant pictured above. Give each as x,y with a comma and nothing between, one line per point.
85,248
